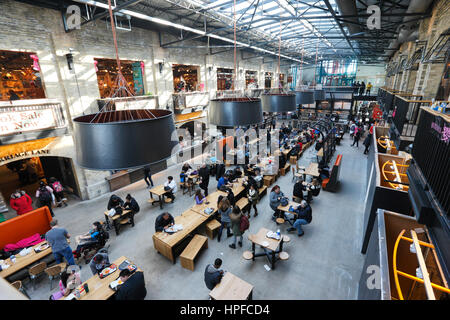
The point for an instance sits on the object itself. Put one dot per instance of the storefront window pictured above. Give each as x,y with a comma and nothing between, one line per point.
225,79
20,76
185,78
251,79
281,78
268,80
132,71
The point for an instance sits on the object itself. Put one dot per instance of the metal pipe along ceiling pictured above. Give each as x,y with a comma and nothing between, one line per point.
182,27
348,7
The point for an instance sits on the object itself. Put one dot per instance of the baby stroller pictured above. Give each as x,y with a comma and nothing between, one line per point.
88,251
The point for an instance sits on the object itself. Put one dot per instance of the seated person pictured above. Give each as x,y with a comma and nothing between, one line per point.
131,204
69,281
114,202
133,287
258,178
186,167
213,275
249,181
170,187
99,262
298,189
223,183
313,189
183,177
282,160
163,221
324,171
200,198
88,238
304,216
230,197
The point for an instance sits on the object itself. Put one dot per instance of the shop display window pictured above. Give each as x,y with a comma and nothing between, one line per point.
225,79
20,76
106,69
185,78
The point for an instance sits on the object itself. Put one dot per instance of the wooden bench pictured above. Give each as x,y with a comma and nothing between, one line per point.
262,191
286,169
243,203
212,226
191,251
293,159
268,180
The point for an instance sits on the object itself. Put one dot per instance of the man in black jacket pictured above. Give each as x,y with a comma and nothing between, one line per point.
163,221
298,189
304,216
213,275
204,175
133,287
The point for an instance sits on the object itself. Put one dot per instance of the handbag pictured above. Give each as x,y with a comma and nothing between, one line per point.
284,201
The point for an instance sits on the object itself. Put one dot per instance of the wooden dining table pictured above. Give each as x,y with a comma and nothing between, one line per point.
212,199
25,261
232,287
271,250
165,243
99,288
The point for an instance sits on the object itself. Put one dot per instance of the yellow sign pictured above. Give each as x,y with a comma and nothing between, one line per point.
22,150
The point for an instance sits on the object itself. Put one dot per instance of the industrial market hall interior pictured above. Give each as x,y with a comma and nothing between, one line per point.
200,150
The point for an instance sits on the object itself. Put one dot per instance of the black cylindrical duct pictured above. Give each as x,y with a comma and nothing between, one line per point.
124,139
234,112
278,102
319,95
304,97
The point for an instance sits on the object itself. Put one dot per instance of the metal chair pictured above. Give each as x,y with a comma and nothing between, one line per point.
35,271
55,271
18,285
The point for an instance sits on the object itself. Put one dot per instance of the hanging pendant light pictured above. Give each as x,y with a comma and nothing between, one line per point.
124,139
304,97
233,112
319,94
115,140
278,102
238,111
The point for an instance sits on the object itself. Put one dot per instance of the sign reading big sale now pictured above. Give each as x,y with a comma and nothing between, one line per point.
19,121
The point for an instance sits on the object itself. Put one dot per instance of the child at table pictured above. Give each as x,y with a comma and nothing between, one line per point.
200,198
69,281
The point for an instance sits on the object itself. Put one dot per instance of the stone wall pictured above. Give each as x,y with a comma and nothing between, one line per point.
29,28
426,80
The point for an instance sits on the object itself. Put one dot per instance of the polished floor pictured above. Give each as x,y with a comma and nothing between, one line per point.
325,263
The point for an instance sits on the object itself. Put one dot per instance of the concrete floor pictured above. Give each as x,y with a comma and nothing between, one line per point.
325,263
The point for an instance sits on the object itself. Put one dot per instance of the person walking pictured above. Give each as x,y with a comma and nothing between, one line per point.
58,191
362,88
57,239
204,176
225,221
45,195
236,217
357,136
368,88
148,176
253,197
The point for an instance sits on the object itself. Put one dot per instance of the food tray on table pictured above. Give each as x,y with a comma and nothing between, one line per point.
107,271
273,235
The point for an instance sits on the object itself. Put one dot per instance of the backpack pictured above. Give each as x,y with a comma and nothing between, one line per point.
245,224
284,201
57,186
44,195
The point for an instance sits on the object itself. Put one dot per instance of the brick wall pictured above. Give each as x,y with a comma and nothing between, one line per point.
29,28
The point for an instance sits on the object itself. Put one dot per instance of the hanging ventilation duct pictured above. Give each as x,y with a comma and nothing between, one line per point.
278,102
235,112
348,8
115,140
304,97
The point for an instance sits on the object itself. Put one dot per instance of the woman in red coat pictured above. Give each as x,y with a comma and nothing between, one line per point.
21,202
